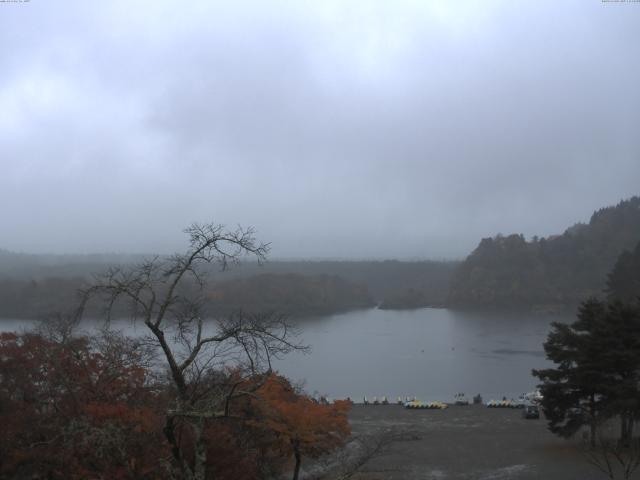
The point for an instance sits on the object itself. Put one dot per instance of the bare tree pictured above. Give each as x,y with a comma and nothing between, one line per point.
58,326
613,458
168,295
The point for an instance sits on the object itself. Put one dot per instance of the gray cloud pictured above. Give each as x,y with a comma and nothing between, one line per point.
342,129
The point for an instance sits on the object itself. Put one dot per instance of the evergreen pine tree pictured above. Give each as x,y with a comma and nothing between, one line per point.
572,391
597,373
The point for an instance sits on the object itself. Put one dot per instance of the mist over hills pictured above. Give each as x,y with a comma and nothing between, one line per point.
505,271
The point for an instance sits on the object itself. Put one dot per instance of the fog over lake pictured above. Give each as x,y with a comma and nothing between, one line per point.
428,353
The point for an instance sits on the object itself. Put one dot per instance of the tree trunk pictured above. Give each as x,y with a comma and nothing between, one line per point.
200,458
169,432
298,457
626,429
592,409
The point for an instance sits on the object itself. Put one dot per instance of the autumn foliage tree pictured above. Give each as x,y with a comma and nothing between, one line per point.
296,424
74,408
77,409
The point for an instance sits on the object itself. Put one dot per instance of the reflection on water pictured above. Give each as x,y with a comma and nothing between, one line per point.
428,353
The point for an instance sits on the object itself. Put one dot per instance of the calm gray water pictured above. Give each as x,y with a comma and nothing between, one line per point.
428,353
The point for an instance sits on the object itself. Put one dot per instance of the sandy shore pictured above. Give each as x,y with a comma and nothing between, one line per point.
470,442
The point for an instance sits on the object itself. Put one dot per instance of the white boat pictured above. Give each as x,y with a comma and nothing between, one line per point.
534,397
460,399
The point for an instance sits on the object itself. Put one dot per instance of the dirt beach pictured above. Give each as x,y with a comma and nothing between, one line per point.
470,442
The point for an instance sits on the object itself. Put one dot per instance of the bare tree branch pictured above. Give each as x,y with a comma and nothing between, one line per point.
168,294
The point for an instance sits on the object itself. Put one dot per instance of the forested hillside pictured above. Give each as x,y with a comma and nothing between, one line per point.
385,279
623,283
35,285
547,273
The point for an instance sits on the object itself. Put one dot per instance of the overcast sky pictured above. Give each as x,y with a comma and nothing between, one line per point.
337,129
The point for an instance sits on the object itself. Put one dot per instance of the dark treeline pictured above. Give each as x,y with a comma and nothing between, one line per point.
28,266
623,283
37,297
384,280
34,285
290,294
299,295
547,273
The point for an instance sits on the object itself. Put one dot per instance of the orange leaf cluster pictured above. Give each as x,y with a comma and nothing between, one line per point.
298,421
70,412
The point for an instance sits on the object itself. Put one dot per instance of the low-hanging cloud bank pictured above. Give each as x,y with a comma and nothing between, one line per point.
337,129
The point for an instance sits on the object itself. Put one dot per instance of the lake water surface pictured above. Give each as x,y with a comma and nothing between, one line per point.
428,353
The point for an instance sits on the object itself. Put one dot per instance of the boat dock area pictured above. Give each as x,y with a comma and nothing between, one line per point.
459,399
